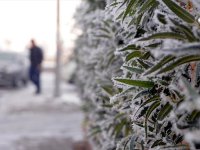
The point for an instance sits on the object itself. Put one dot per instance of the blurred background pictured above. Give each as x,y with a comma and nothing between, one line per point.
23,20
29,121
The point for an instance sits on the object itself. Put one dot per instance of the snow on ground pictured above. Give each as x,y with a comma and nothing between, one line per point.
39,122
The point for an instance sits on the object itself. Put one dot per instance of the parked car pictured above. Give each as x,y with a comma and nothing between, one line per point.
13,69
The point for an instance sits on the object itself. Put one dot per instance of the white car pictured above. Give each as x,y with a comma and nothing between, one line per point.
14,69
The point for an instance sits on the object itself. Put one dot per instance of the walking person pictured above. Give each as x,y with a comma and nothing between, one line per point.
36,58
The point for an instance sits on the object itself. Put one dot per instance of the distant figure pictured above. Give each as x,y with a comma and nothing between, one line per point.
36,58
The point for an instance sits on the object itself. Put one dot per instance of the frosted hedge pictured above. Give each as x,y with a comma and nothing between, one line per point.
139,73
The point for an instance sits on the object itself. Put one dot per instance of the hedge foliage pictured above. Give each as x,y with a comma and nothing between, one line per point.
139,74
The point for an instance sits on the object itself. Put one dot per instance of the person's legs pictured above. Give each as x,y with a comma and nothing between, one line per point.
31,74
35,78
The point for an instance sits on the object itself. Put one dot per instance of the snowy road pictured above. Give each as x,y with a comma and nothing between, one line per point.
39,122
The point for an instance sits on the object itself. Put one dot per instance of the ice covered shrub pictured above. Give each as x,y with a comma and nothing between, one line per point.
97,64
165,42
156,93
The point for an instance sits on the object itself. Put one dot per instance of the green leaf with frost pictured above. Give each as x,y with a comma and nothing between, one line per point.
178,62
144,64
129,8
164,35
179,11
138,83
160,64
134,55
134,69
149,112
129,47
142,93
164,111
146,6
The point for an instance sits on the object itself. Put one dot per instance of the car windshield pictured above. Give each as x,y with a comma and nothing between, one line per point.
7,56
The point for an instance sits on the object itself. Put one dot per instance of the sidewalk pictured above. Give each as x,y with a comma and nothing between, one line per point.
40,122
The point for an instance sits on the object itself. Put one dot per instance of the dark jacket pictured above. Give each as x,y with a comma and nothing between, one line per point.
36,56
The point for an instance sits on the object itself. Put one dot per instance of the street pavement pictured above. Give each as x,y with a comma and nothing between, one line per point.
40,122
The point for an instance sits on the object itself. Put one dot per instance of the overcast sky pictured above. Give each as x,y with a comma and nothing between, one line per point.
21,20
